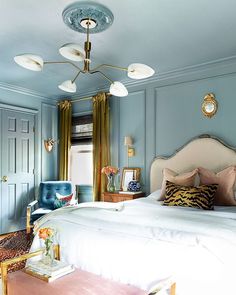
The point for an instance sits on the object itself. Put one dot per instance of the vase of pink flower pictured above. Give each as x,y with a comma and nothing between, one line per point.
110,172
47,234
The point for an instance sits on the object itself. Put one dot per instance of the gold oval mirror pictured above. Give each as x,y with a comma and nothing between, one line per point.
209,105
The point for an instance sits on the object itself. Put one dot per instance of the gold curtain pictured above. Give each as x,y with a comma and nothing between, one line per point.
65,114
101,143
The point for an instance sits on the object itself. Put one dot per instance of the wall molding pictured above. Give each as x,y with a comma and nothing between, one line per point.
210,69
17,108
26,91
222,66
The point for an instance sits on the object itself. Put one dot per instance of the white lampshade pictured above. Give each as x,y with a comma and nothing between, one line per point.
72,51
29,61
140,71
128,141
68,86
118,89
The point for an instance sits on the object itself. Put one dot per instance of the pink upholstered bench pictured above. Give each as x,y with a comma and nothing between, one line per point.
77,283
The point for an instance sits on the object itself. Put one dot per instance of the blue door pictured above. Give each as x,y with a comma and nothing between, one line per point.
17,167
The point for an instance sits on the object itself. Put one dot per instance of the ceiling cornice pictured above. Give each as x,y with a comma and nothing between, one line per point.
26,91
222,66
208,69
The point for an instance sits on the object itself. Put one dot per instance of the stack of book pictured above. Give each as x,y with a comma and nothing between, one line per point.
48,273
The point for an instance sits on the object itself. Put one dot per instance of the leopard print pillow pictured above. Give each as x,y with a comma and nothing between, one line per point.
200,197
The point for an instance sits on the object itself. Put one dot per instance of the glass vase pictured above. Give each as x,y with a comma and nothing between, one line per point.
48,254
111,183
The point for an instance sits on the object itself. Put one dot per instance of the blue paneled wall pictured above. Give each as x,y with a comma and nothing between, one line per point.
160,114
163,115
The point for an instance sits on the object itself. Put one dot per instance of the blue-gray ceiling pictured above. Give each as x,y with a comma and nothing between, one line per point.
165,34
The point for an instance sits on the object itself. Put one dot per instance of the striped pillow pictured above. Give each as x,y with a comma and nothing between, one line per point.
200,197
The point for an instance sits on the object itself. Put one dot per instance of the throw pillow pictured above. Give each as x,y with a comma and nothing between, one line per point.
225,180
201,197
155,195
185,179
61,201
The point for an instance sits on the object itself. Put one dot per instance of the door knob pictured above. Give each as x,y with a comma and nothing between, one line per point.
4,178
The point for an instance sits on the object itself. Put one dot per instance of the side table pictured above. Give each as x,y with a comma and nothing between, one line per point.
119,197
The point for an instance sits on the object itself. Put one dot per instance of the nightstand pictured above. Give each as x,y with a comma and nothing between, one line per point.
118,197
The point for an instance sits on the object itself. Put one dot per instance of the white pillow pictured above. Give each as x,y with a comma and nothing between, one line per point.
71,202
59,196
155,195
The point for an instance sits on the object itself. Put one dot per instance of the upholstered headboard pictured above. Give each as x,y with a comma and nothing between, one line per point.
204,151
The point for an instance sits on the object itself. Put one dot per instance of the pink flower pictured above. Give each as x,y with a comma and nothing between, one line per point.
45,233
110,170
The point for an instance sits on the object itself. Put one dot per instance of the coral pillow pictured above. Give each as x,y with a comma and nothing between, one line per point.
225,180
185,179
61,201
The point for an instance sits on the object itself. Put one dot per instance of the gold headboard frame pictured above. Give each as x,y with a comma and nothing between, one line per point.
203,151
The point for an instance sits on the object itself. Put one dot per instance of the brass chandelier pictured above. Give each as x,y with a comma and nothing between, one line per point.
86,17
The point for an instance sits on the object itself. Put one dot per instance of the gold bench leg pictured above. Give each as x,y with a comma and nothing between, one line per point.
28,226
173,289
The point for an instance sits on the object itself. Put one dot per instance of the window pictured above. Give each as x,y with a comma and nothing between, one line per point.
81,154
82,129
81,158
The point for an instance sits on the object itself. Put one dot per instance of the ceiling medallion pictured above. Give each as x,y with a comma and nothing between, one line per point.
86,17
75,16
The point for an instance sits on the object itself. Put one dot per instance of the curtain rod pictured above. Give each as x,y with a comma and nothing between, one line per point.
81,99
85,98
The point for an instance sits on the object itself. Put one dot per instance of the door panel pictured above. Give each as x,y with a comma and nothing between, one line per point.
18,167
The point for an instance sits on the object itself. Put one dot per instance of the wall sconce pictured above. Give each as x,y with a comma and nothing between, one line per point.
49,143
128,142
209,105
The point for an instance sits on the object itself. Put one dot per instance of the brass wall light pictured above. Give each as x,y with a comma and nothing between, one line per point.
128,142
49,143
209,105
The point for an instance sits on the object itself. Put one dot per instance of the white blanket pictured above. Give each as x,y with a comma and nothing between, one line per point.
146,242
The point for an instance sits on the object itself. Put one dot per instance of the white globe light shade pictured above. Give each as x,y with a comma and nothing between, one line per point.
140,71
29,61
68,86
72,51
118,89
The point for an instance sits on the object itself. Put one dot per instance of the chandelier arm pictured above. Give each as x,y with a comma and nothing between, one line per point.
101,73
76,76
63,62
110,66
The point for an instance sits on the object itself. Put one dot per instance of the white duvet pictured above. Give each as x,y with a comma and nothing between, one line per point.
141,242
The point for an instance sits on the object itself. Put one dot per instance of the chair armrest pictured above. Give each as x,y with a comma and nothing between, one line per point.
32,204
28,215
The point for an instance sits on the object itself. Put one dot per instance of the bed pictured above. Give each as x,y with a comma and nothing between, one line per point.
140,242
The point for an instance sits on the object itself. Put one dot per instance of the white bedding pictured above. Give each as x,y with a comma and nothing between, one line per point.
143,242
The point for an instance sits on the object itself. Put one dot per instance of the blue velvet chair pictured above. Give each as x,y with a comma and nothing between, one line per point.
46,198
